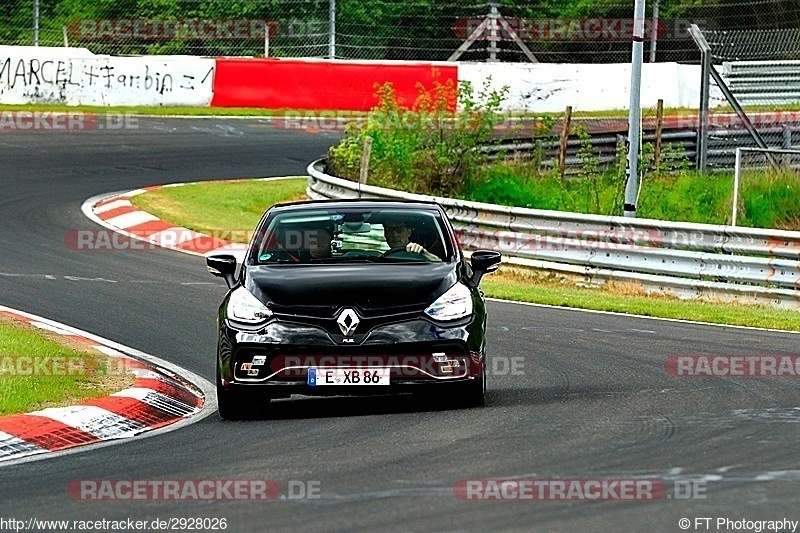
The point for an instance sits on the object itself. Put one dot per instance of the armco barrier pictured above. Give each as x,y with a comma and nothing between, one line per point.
309,84
688,260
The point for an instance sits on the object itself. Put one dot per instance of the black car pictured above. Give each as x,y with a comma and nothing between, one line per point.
352,297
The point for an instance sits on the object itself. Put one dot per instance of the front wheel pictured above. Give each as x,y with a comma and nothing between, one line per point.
234,404
473,392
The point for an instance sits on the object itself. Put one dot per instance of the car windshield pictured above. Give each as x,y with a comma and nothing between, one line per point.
322,236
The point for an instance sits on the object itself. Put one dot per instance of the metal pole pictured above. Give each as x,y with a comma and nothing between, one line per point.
654,32
35,22
705,85
332,30
737,169
494,35
635,113
266,39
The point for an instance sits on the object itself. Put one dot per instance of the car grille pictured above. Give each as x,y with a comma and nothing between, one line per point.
409,361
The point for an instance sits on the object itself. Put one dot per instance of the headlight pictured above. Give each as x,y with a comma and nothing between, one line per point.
454,304
244,307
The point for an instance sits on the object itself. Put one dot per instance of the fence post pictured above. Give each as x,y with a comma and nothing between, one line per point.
365,155
657,140
787,144
35,22
562,149
654,32
332,29
494,35
705,85
737,173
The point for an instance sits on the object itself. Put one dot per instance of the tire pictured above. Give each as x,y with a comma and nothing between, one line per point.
235,404
465,395
473,392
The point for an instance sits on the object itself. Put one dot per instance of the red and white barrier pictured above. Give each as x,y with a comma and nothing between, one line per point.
75,76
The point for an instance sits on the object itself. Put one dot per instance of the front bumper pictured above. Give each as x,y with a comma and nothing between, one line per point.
418,354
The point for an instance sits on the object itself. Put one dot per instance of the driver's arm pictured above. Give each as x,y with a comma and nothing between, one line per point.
416,248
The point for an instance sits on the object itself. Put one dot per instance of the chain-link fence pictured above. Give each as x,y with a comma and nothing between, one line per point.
754,88
553,30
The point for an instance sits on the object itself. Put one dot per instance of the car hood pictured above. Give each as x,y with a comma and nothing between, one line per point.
368,286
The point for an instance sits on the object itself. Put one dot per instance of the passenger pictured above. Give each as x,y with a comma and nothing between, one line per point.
319,243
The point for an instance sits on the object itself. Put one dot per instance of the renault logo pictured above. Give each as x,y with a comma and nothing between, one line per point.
348,322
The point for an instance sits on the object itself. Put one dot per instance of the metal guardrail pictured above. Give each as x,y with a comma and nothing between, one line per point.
763,82
604,148
688,260
722,144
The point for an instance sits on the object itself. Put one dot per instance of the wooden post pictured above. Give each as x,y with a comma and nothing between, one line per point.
562,151
787,144
657,140
365,155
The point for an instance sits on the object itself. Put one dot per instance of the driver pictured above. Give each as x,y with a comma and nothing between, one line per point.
398,234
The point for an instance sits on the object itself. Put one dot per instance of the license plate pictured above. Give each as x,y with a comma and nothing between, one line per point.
348,376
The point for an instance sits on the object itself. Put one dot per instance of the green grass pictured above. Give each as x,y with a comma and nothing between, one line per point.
508,283
767,200
512,284
21,346
223,207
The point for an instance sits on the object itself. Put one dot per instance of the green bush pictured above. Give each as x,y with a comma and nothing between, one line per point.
430,147
433,147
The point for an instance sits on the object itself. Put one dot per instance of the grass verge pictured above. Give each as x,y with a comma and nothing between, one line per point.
40,369
220,208
199,207
522,285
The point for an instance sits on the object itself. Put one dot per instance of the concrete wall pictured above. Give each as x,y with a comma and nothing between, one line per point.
551,87
75,76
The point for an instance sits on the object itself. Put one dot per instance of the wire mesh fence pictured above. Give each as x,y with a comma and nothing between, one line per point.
554,31
755,91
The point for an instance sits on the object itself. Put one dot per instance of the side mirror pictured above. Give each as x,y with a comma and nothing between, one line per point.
483,262
223,266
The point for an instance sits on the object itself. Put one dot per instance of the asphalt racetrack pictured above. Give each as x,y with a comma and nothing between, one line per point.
573,395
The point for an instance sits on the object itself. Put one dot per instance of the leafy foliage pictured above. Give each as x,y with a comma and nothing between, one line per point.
430,147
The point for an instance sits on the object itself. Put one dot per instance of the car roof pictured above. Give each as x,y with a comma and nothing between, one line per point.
409,205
